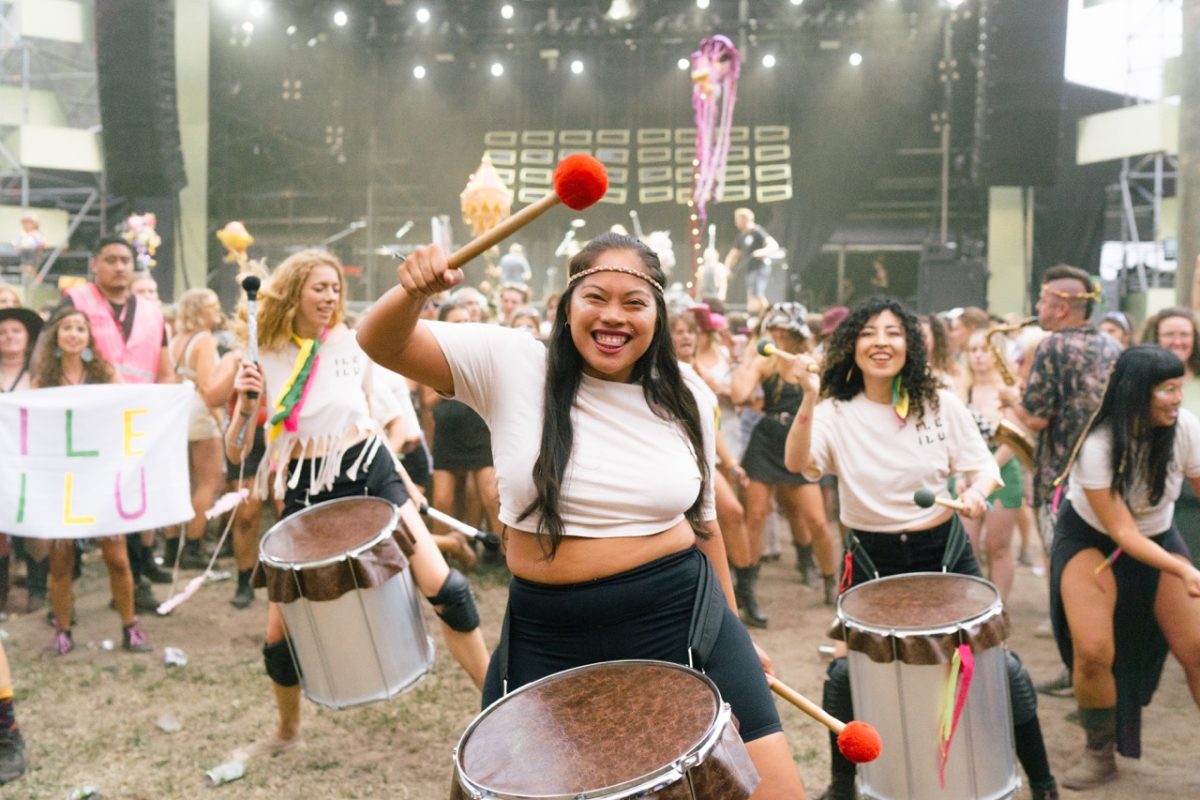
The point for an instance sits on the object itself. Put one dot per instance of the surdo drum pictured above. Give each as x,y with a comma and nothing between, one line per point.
902,633
352,612
607,731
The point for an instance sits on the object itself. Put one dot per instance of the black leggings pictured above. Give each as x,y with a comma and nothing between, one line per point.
644,613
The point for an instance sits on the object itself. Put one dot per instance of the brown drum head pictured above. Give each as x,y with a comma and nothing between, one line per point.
925,600
589,729
328,529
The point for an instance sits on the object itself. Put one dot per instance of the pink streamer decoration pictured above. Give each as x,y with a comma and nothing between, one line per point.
967,672
715,68
292,423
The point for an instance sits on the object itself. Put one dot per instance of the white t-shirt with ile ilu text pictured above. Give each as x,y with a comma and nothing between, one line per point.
631,472
881,461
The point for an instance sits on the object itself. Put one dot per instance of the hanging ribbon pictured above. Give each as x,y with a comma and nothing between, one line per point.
286,413
954,697
899,398
1108,562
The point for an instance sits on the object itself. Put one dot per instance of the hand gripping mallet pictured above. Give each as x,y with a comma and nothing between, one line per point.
857,740
766,348
579,181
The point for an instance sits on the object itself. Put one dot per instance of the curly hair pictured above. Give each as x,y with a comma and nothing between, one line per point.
842,379
1150,332
46,365
189,309
279,297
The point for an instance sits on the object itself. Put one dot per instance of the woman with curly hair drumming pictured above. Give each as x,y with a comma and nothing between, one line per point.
1123,590
67,356
886,429
604,455
325,439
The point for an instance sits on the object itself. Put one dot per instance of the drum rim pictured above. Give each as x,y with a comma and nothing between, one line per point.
675,770
383,533
996,608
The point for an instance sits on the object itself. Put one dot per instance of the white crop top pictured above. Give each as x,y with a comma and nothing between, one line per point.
631,472
339,403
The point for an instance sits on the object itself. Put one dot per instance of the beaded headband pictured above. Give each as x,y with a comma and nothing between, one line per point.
1094,294
615,268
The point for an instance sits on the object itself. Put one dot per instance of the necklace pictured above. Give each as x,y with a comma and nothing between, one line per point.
73,381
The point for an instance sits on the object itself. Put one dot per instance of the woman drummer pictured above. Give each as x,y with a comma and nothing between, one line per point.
604,456
326,445
1114,615
886,430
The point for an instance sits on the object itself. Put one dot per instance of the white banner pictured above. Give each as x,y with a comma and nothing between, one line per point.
79,461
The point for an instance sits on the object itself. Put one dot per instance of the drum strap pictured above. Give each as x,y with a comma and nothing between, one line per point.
708,612
956,543
501,654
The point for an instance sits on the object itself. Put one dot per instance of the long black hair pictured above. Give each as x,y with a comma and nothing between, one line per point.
657,370
1139,450
842,379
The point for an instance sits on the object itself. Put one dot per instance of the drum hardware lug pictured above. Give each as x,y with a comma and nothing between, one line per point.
691,660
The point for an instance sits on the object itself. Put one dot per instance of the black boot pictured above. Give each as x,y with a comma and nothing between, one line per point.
244,595
5,563
37,575
804,562
745,594
193,556
170,553
830,589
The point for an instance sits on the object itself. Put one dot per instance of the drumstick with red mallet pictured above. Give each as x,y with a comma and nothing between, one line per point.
579,181
857,740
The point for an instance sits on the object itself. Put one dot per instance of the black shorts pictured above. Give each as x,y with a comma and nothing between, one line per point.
377,478
249,466
644,613
911,551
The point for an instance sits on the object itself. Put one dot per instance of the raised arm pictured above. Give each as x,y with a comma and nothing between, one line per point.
797,452
392,333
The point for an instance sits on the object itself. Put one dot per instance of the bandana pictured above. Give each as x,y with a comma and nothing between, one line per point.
286,411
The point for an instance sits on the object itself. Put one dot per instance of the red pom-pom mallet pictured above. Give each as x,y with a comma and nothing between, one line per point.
579,181
858,740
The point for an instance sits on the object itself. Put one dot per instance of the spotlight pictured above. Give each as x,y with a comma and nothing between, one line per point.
796,2
620,10
768,60
248,26
684,63
257,8
506,11
291,30
701,4
577,67
952,3
855,59
340,18
418,72
422,15
497,69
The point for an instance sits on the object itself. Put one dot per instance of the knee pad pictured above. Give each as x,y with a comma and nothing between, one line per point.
458,605
277,658
1020,688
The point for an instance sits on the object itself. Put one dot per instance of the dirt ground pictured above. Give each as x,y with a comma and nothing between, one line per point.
91,718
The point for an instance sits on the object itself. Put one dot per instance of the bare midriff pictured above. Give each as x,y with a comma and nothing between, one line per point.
581,559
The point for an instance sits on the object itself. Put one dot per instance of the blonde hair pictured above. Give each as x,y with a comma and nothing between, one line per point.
13,294
189,309
279,297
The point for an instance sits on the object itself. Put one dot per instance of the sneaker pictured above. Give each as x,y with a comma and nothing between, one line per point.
134,638
12,755
61,644
143,598
1061,686
156,574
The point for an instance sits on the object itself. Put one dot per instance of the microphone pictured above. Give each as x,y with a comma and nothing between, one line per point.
926,499
250,284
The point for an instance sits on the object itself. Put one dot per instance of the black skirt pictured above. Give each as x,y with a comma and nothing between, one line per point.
763,459
461,439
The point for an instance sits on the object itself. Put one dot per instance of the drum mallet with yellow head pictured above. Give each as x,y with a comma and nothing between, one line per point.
857,740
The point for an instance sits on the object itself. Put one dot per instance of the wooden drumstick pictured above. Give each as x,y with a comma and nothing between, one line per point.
926,499
767,349
857,740
489,540
579,181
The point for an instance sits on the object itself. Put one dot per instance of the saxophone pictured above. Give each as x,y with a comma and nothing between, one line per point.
1006,432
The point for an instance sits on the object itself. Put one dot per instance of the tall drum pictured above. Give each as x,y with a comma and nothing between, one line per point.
902,633
607,731
353,615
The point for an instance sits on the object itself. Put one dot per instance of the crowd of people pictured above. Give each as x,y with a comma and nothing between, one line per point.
1066,444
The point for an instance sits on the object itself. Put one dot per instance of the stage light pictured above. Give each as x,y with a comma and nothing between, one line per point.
952,3
497,69
422,15
701,4
257,8
684,63
621,10
506,11
418,72
291,30
768,60
797,2
248,26
855,59
340,18
577,67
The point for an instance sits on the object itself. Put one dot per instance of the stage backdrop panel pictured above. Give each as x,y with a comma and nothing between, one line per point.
80,461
